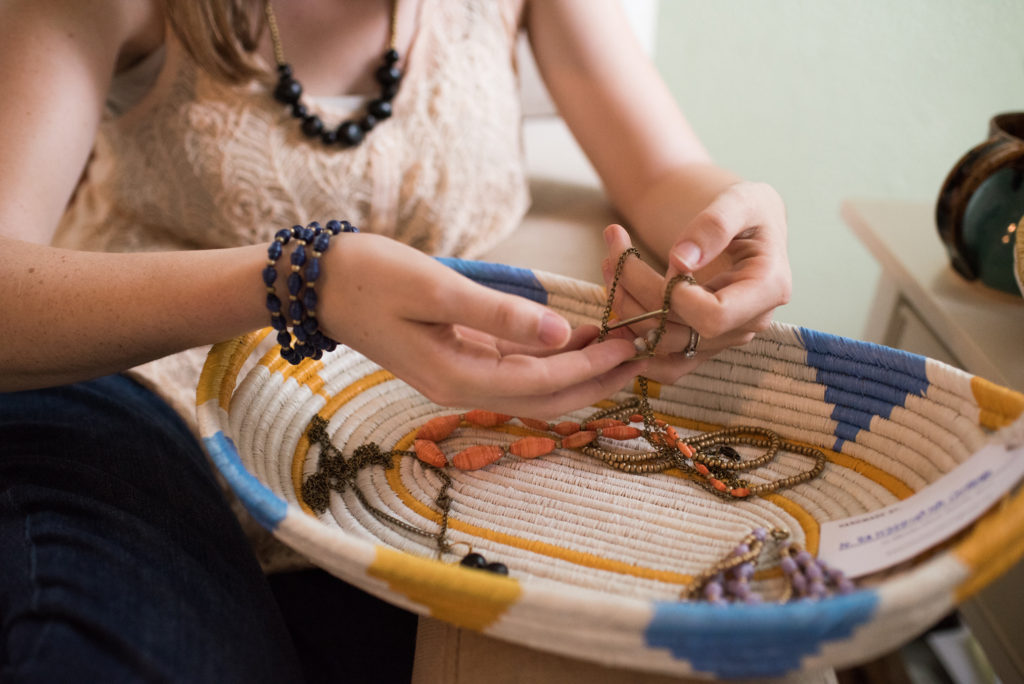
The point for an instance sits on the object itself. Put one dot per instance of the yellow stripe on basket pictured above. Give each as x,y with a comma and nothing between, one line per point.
807,522
223,363
307,373
468,598
994,545
333,404
361,385
999,405
273,361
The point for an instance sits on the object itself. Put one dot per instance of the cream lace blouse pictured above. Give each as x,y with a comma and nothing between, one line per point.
195,164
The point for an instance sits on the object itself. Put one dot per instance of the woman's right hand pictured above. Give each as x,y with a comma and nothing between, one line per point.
460,343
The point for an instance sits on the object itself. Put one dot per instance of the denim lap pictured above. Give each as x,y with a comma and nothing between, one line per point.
120,560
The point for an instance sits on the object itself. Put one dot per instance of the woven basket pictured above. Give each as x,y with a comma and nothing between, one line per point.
598,557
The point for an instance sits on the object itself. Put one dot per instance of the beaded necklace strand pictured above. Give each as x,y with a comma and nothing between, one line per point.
728,580
710,459
348,133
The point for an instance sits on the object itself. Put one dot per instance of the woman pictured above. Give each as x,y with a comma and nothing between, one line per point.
151,152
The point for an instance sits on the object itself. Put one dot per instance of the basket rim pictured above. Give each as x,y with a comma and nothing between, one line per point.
994,542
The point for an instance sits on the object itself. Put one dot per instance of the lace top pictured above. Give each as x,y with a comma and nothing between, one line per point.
198,164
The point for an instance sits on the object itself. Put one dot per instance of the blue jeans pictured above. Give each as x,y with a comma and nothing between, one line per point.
120,560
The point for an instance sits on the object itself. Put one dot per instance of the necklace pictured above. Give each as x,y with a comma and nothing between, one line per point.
350,132
710,459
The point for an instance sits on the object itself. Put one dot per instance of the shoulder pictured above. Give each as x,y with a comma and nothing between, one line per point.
124,30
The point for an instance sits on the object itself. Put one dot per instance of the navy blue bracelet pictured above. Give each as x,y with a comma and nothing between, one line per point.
298,330
277,321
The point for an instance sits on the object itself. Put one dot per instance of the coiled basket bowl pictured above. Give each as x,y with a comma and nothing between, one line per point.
598,557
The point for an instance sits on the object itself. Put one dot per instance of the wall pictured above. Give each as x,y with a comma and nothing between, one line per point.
840,98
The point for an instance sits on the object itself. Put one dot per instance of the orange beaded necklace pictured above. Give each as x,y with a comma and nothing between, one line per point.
709,458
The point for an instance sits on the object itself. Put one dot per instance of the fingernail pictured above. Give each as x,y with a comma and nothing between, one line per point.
608,236
688,253
553,329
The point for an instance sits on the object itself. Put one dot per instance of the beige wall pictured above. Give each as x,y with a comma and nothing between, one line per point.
828,99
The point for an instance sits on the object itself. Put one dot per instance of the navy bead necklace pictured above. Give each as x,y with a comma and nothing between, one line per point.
350,132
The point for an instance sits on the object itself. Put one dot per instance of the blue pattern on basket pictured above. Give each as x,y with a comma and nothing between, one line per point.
765,640
501,277
862,380
266,507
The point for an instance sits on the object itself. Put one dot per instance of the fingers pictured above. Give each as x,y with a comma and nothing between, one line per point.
716,313
466,372
668,369
727,310
442,295
515,319
740,240
676,340
738,209
580,337
641,288
470,367
570,398
463,344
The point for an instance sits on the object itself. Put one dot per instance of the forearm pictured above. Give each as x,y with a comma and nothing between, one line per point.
656,171
73,315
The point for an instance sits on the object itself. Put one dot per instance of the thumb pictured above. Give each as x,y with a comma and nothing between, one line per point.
709,232
506,316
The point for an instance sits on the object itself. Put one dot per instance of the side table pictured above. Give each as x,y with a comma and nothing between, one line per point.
923,306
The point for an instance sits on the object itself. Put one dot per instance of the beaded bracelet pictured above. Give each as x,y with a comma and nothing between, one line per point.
298,330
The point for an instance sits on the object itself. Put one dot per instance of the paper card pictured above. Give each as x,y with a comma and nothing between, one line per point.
874,541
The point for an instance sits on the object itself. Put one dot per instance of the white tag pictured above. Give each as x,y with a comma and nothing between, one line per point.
880,539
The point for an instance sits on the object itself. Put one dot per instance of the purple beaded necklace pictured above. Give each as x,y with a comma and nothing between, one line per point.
350,132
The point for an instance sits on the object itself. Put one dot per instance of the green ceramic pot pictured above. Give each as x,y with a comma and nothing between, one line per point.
981,203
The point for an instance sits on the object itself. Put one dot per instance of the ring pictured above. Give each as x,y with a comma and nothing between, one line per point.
691,347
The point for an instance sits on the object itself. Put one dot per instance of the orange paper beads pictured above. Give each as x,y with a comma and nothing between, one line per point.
573,436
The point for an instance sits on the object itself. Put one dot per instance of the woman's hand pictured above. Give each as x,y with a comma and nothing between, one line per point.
730,234
736,248
458,342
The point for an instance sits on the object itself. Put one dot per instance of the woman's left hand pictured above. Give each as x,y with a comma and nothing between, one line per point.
736,249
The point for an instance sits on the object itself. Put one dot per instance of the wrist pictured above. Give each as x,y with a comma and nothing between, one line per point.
290,276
